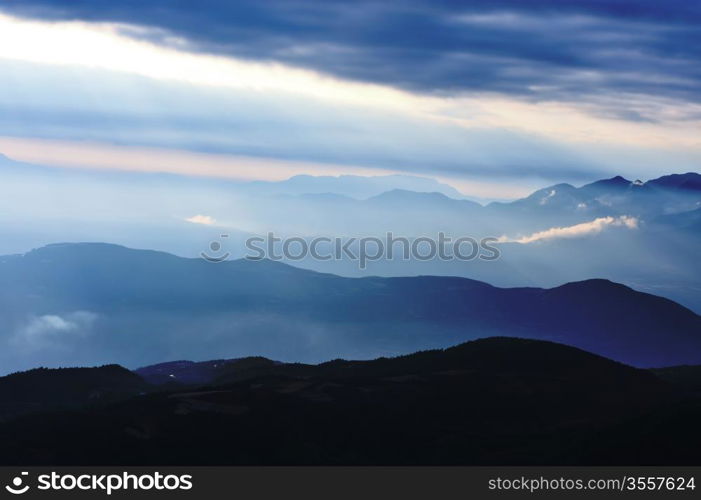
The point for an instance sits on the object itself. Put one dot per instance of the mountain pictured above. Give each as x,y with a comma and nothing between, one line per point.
494,356
401,198
119,207
90,303
493,401
353,186
615,196
198,373
423,210
44,389
617,183
687,376
691,181
656,252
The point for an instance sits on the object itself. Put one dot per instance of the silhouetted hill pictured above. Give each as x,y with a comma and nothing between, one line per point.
686,376
150,303
667,435
45,389
492,401
203,372
495,355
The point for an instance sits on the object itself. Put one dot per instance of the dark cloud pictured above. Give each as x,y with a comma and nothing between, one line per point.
557,49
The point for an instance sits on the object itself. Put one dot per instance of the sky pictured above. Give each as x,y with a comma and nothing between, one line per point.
495,98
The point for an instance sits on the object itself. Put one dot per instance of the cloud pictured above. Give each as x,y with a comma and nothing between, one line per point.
106,47
201,219
545,198
99,156
128,90
52,329
576,231
543,49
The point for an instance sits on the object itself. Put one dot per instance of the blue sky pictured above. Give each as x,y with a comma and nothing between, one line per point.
496,98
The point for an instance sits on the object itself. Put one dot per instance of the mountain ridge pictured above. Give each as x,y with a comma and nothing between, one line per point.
272,308
492,401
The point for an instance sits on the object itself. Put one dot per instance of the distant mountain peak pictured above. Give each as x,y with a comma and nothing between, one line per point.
423,199
690,181
405,193
92,247
354,186
616,182
593,284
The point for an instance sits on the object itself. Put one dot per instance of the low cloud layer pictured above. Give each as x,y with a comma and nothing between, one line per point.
53,330
576,231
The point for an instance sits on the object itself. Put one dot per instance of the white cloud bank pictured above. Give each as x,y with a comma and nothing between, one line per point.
576,231
52,329
202,219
